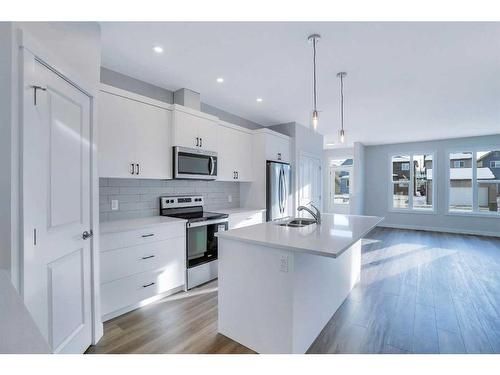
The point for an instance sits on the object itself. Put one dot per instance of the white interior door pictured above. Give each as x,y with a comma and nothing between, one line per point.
309,189
340,189
56,274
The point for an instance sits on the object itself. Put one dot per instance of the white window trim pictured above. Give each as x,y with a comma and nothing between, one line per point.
410,208
475,207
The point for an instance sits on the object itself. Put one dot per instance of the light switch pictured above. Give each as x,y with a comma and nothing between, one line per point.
114,204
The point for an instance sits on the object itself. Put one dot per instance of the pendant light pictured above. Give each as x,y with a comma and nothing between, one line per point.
314,40
342,75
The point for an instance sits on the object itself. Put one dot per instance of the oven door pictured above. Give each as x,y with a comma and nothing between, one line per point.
194,164
201,241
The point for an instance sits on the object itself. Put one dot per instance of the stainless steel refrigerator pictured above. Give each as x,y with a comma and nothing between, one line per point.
278,190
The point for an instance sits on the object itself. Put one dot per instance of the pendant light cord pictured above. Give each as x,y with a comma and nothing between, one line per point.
342,102
314,72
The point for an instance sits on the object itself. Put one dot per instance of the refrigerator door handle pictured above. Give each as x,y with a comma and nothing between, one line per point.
285,192
282,205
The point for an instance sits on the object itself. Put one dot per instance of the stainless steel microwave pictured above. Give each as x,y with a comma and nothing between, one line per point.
194,164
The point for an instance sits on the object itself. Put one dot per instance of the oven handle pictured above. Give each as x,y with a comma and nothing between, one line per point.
208,222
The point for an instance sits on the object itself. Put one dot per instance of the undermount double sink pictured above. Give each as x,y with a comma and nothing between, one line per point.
298,223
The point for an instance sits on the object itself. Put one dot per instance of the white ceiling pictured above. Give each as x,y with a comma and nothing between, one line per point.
406,81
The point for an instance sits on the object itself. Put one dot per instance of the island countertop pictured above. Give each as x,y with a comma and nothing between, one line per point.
332,237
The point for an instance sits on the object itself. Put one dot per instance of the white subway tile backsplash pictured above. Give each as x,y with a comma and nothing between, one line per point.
140,197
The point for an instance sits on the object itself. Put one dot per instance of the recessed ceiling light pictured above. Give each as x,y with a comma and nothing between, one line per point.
220,80
158,49
259,100
330,144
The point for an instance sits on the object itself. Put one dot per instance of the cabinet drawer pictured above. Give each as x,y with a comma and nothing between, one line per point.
116,240
128,291
119,263
245,219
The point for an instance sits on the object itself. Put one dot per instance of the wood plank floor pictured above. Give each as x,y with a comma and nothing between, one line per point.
420,292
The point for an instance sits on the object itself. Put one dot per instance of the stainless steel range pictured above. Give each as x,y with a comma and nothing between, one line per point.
201,243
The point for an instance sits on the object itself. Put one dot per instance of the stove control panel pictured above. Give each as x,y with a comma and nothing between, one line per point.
181,201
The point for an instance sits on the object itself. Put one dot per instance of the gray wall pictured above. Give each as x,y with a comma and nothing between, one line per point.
125,82
377,182
140,197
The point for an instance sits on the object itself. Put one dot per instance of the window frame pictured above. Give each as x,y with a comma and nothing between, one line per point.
493,164
410,208
475,185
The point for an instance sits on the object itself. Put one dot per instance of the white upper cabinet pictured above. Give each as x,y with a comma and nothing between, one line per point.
134,136
277,147
194,129
234,153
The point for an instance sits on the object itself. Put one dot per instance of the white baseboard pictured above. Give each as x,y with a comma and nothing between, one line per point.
142,303
438,229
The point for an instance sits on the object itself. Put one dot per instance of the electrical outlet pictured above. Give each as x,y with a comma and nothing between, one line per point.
284,264
114,204
229,198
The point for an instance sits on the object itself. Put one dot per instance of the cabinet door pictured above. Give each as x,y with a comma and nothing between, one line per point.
185,129
117,127
228,153
244,166
207,131
277,148
154,146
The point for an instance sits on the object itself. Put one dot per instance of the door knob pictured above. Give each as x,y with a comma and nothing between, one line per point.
86,234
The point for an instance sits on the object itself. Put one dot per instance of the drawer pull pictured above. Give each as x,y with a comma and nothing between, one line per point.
148,257
148,235
150,284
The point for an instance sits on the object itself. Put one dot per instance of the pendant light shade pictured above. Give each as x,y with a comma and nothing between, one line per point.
314,121
341,75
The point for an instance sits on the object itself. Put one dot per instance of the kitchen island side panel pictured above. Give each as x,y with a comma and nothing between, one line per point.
255,296
320,286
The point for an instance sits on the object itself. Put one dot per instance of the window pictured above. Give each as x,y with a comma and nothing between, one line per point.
412,187
460,187
488,181
341,192
476,186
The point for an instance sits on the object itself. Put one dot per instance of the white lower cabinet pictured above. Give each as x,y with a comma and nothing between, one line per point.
140,264
245,219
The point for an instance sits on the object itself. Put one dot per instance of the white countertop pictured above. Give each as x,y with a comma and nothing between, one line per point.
236,210
335,234
131,224
18,332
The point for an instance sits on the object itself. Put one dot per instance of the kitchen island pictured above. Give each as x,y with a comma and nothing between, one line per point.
280,285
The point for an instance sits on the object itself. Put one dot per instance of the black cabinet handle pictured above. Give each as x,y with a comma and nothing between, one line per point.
132,171
237,175
148,257
197,142
279,155
148,235
138,170
150,284
201,142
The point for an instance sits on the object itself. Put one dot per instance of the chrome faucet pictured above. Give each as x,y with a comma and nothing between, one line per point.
316,216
